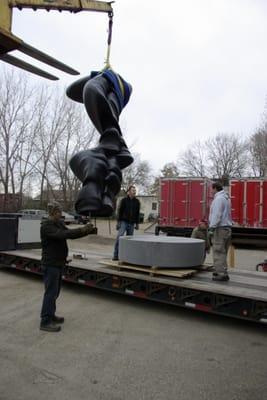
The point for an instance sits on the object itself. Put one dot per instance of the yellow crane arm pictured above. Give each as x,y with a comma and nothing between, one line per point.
10,42
60,5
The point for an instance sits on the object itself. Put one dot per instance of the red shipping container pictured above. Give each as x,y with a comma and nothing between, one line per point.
252,195
249,202
236,192
264,204
184,201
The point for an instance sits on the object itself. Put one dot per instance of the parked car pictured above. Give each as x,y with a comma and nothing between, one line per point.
33,212
80,219
68,218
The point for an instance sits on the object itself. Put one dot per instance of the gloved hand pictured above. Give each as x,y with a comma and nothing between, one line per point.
210,232
89,228
136,227
118,225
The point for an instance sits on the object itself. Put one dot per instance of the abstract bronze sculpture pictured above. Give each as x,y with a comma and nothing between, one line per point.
104,95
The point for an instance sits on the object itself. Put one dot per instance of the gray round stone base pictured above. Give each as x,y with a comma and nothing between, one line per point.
162,251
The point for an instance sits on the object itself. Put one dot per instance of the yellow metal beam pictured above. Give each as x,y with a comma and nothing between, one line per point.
96,5
5,15
10,42
60,5
27,67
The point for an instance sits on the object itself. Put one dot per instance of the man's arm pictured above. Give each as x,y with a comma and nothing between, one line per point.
56,232
217,212
194,233
121,209
208,242
119,216
137,214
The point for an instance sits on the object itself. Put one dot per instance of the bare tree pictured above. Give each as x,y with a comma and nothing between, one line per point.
227,156
258,151
63,132
26,162
52,123
169,170
192,162
155,186
16,135
78,134
39,131
139,174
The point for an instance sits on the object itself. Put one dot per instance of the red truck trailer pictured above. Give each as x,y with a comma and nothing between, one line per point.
249,202
185,201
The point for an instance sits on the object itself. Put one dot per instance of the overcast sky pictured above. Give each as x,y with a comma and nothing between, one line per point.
197,67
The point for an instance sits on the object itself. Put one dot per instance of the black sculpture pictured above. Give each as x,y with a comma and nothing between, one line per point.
104,95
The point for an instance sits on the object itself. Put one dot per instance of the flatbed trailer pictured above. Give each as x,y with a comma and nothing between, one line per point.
243,297
241,236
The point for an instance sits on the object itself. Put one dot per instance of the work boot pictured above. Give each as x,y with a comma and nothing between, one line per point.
50,327
58,320
220,277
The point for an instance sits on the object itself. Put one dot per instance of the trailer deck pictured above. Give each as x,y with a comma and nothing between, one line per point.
244,296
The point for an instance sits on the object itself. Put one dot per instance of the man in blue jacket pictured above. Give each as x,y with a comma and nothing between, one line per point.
220,223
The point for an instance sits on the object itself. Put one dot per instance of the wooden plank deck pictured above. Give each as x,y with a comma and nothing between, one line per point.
151,271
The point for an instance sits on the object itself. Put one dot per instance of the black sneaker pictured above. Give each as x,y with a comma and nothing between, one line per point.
220,278
115,259
50,328
58,320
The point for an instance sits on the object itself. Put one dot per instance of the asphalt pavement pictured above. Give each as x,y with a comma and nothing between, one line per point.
113,347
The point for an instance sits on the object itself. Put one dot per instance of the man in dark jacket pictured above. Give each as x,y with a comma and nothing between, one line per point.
54,256
128,217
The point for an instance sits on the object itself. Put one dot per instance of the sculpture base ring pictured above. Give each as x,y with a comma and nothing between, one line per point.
162,251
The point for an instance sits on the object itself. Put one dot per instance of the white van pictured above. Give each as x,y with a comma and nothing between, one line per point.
34,213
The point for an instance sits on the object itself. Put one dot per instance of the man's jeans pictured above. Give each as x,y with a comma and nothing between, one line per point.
124,227
52,282
221,242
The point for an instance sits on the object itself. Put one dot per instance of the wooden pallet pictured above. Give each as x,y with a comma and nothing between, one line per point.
152,271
